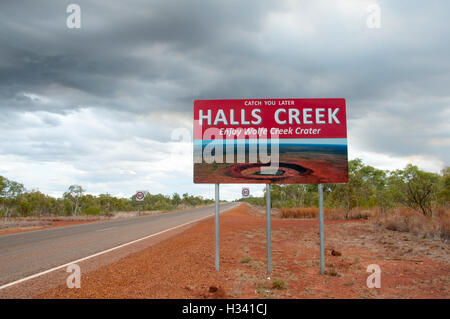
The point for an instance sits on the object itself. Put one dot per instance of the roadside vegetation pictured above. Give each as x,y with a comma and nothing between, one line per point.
329,213
16,201
407,200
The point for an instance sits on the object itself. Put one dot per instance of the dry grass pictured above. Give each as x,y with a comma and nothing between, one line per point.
31,221
408,220
34,221
399,219
278,284
245,260
330,213
4,224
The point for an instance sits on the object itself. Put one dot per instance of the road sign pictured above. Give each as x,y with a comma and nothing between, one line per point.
140,195
284,141
245,192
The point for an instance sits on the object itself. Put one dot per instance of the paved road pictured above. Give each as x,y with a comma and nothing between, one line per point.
28,253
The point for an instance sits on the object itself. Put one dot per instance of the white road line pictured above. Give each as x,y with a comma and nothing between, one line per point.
99,253
105,229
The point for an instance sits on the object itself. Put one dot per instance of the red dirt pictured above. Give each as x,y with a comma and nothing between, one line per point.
183,266
54,224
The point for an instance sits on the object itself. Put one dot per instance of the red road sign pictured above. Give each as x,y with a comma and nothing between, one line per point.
245,192
140,196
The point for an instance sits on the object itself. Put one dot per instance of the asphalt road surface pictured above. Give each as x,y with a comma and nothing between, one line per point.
28,253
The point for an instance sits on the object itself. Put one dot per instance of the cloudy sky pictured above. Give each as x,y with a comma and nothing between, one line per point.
101,105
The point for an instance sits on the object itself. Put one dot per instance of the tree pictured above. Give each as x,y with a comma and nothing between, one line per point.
106,202
3,185
9,192
40,204
414,188
349,195
293,195
14,199
374,188
444,188
176,199
25,207
73,195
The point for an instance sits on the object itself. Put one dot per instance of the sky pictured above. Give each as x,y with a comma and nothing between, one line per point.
109,105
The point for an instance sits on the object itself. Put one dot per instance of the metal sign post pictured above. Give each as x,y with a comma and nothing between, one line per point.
268,207
140,195
216,228
322,247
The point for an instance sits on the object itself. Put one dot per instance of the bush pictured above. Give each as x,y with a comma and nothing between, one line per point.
300,212
444,227
411,221
25,208
329,213
278,284
245,260
92,211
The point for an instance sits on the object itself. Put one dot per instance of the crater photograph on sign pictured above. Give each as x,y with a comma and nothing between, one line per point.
283,141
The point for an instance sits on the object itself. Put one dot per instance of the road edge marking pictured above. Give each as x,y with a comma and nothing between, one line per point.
102,252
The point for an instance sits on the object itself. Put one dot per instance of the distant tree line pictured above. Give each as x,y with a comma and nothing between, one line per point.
16,201
369,187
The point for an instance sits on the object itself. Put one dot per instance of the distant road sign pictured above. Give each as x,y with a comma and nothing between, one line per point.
245,192
140,196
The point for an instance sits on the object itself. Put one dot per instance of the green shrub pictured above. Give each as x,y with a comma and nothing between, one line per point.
92,211
278,284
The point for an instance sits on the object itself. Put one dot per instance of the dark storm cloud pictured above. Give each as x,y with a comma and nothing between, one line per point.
145,57
103,55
